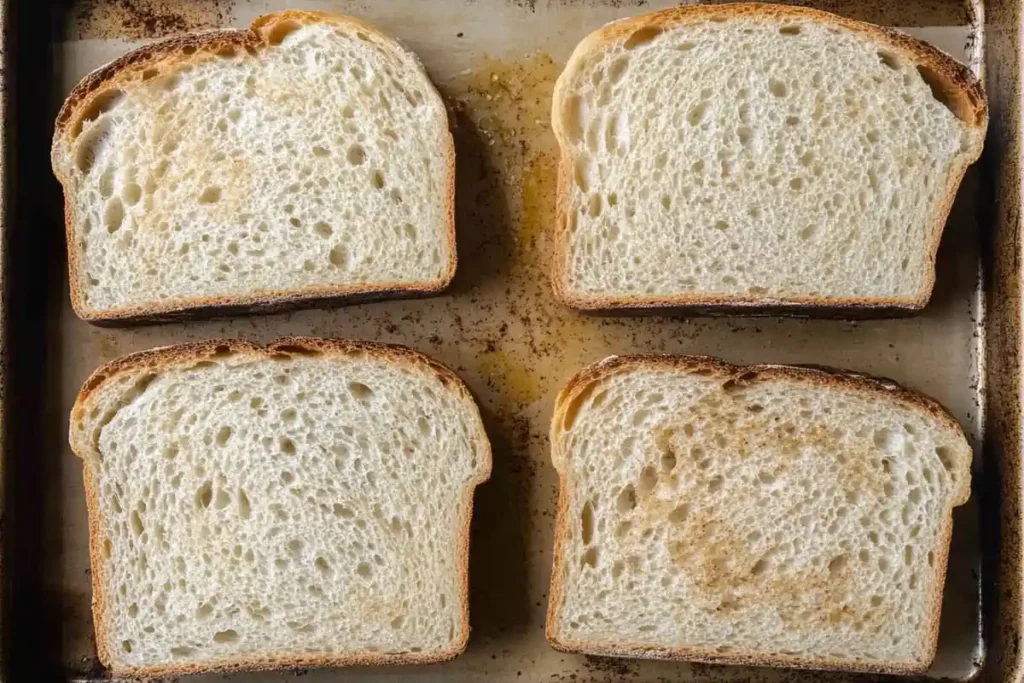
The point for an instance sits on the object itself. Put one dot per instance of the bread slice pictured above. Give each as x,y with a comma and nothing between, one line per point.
303,504
767,515
305,159
749,156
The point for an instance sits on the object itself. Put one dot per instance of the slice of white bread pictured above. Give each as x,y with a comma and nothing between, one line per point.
305,159
757,156
768,515
303,504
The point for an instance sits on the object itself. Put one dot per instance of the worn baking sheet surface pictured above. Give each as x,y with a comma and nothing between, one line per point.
496,61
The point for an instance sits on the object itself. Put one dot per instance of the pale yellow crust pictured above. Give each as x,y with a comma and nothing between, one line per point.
587,379
136,67
966,97
187,355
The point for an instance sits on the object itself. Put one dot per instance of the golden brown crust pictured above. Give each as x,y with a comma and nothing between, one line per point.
136,67
965,95
584,382
187,355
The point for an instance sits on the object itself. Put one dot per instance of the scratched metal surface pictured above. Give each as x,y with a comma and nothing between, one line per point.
499,328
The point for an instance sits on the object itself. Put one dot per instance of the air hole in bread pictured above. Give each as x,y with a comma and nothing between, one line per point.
222,499
223,435
131,193
668,459
113,215
696,113
228,636
356,155
90,146
243,504
360,391
626,500
583,172
618,68
281,30
889,59
338,256
286,446
679,514
838,563
945,93
204,495
171,82
364,570
590,558
377,179
572,119
777,87
587,522
945,457
642,37
169,145
791,30
100,104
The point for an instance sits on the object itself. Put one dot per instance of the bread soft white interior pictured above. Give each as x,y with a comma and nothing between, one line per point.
764,154
263,510
315,159
778,515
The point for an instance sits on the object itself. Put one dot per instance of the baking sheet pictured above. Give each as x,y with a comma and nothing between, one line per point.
501,330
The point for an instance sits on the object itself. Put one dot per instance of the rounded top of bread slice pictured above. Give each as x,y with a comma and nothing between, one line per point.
244,136
790,158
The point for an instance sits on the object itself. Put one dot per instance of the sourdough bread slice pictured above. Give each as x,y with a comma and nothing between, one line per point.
303,504
305,159
763,515
757,156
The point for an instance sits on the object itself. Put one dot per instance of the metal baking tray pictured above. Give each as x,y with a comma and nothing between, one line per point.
499,327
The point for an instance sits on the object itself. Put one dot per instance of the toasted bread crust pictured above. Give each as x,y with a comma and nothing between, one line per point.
134,68
186,355
885,389
966,98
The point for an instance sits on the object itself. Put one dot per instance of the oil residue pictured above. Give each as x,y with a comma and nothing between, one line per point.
509,104
507,162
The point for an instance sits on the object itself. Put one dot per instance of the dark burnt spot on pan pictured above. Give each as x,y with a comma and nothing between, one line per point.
138,19
620,669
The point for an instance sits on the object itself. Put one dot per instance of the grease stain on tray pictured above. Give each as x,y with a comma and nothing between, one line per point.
509,105
139,19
